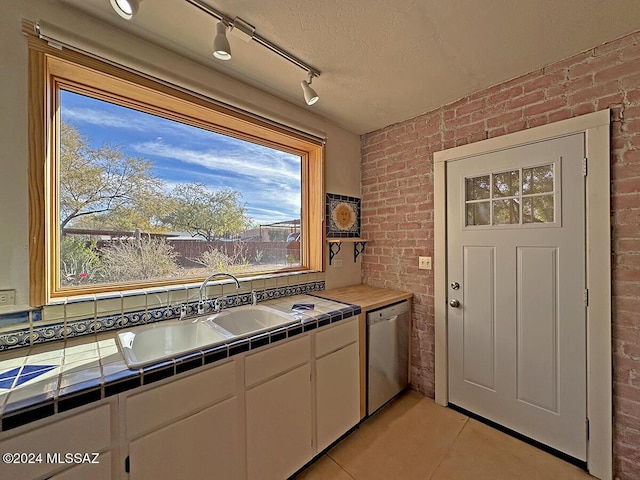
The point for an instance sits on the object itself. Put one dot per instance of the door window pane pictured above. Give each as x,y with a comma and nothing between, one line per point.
478,214
477,188
506,212
537,180
538,209
506,184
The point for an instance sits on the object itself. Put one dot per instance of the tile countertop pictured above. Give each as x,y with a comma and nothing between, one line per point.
57,376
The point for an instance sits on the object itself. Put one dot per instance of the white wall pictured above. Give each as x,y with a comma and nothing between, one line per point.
342,153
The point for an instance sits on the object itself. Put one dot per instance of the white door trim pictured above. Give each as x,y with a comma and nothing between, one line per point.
595,126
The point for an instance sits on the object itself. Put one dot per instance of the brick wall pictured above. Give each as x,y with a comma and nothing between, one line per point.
397,203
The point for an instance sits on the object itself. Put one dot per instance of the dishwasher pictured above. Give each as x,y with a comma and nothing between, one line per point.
387,354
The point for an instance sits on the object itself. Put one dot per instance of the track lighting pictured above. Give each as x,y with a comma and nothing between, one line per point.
242,29
310,95
221,47
125,8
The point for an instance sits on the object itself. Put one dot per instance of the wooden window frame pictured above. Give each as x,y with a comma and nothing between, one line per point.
50,69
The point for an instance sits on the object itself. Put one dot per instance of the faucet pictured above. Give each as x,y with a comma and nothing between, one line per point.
201,295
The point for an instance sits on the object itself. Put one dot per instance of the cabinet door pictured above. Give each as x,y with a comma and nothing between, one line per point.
279,424
204,446
337,393
85,432
98,471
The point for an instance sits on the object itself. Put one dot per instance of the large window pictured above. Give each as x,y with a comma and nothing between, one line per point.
144,185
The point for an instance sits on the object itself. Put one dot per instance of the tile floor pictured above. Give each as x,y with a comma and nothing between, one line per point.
415,439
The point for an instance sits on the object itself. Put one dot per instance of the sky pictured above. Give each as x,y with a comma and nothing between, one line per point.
269,180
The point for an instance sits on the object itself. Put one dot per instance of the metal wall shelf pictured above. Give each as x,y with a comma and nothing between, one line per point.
335,244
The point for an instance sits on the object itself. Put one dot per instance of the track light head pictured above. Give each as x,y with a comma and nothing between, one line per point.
310,95
221,47
126,8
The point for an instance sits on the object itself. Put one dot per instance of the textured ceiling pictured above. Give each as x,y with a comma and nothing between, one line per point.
383,61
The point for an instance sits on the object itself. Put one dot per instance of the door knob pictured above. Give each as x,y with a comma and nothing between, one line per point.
454,303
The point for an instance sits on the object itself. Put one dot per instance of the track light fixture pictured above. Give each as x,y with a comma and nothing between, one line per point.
310,95
126,8
240,28
221,47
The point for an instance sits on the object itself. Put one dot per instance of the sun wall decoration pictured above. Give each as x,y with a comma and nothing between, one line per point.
342,216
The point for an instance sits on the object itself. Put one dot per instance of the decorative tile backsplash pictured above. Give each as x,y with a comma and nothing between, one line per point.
101,313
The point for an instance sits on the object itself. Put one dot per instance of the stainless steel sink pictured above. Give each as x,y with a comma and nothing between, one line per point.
249,320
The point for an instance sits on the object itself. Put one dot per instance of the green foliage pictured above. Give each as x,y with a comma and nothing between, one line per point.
207,214
79,262
114,190
139,259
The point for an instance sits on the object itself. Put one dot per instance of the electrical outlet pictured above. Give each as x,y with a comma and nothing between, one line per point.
336,263
424,263
7,297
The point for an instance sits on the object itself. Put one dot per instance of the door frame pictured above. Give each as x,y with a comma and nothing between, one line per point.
595,127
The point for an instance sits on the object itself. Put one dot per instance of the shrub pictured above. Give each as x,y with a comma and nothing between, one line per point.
139,259
79,262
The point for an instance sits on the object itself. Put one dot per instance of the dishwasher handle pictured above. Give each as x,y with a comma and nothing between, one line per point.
375,320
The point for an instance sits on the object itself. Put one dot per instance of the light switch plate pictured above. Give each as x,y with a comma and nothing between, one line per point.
424,263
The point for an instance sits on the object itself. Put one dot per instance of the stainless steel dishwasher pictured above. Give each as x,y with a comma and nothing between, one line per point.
387,353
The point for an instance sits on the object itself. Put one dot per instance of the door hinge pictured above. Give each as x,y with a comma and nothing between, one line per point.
127,466
588,427
586,297
584,166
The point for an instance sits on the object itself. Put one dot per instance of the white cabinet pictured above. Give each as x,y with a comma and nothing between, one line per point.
203,446
337,382
88,431
188,428
98,471
279,410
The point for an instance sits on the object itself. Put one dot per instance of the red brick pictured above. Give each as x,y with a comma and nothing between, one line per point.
545,107
504,119
528,99
568,62
471,107
544,82
560,115
610,100
593,93
616,45
505,95
588,67
578,84
615,72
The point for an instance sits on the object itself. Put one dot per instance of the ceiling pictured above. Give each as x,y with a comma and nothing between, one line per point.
382,61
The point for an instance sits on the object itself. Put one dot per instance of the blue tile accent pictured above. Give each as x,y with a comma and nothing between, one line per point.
16,318
50,332
23,375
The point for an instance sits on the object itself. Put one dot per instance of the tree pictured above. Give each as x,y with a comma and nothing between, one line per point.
207,214
105,184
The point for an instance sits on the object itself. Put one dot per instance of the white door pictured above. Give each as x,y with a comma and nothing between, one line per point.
516,273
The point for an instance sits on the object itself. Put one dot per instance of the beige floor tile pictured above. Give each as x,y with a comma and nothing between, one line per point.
324,469
483,453
407,440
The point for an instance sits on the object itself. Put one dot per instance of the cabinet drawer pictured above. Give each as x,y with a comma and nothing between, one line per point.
277,359
176,399
85,432
334,337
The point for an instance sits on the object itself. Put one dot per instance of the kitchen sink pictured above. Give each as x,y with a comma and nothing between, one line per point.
250,319
153,343
149,344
